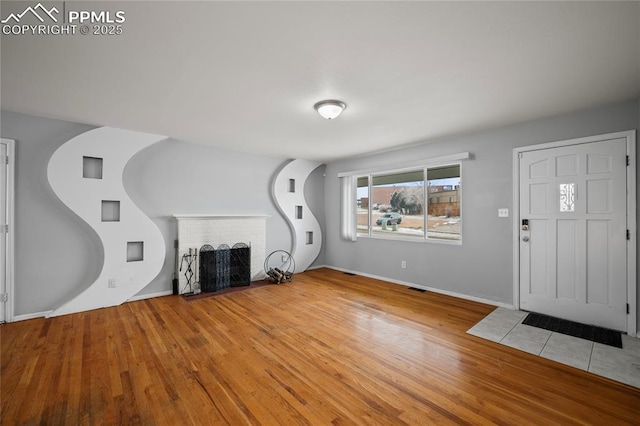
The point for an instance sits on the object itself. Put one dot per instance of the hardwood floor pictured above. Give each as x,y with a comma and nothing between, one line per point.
328,348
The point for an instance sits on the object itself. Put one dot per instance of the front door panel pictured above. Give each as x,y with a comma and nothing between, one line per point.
573,248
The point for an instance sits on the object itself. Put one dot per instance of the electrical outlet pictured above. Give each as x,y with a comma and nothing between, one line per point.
113,283
403,264
503,212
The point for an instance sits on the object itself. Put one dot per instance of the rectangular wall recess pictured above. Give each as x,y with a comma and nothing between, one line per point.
92,167
135,251
309,237
298,212
292,185
110,211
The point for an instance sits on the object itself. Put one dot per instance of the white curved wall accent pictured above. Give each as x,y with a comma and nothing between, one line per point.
288,192
84,196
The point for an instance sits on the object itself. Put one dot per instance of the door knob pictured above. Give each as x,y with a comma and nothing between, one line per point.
525,238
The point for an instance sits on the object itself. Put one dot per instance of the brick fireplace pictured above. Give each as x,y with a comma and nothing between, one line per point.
195,231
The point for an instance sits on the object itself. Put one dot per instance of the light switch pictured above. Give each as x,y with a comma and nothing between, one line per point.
503,212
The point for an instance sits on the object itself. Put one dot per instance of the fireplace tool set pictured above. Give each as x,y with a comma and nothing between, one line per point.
191,261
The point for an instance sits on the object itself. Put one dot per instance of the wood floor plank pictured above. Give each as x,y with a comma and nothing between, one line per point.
329,348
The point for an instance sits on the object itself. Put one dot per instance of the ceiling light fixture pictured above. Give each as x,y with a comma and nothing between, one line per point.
330,108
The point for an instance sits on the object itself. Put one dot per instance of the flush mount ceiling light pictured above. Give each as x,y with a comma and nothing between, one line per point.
330,108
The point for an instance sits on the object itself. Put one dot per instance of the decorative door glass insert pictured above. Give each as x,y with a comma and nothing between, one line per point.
567,197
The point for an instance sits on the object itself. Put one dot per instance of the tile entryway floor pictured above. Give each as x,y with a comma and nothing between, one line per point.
505,326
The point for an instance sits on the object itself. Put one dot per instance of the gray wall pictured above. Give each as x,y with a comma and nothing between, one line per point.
482,265
314,194
180,177
58,255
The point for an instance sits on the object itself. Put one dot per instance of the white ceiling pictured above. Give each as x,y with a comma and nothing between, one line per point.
245,75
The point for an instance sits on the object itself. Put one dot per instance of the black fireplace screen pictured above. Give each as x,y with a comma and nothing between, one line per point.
225,267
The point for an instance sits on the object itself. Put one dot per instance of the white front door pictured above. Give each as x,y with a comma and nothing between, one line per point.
573,233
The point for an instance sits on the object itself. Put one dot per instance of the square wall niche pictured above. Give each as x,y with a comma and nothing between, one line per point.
110,211
135,251
92,168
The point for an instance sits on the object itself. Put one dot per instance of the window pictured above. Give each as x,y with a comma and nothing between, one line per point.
567,197
398,204
402,204
443,216
362,209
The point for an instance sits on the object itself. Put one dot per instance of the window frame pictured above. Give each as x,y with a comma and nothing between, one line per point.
370,175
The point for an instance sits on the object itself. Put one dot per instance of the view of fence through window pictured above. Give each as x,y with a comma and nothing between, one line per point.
443,219
393,204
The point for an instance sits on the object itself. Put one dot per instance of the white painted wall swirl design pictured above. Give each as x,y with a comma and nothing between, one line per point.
288,192
84,196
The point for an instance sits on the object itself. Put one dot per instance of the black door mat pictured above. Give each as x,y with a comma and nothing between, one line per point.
583,331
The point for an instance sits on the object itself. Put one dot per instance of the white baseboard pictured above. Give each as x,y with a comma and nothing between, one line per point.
318,267
377,277
150,295
424,287
45,313
30,316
